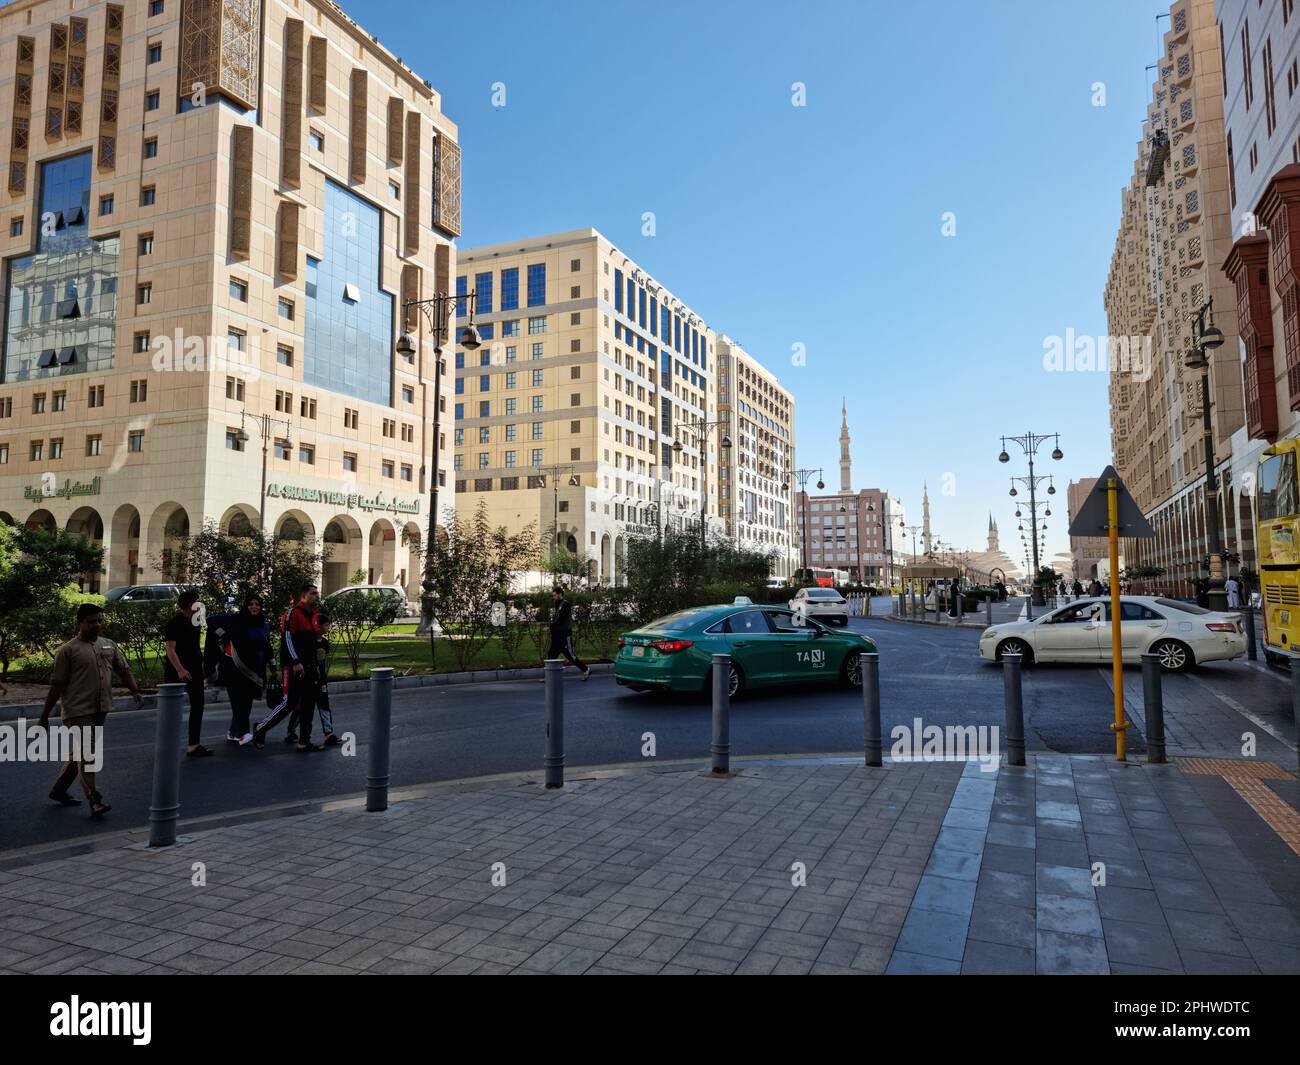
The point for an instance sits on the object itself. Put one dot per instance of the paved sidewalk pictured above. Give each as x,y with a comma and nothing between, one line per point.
786,866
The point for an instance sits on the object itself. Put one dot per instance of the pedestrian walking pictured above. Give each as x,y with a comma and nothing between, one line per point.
1203,592
320,696
298,641
1061,590
82,685
1094,587
237,656
562,630
1077,589
184,665
1233,588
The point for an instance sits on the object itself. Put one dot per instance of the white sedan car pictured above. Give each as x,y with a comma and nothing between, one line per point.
822,604
1182,634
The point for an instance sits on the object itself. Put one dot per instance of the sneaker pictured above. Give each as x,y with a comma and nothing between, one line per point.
291,738
586,674
64,799
199,752
99,810
245,739
332,740
259,739
306,748
231,739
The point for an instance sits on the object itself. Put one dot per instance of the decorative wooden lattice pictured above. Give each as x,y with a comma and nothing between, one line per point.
411,224
220,48
446,185
291,103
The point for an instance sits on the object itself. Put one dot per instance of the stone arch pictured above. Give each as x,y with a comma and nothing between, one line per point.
342,541
124,547
295,525
382,556
7,518
239,520
41,519
605,560
413,539
620,561
86,522
168,528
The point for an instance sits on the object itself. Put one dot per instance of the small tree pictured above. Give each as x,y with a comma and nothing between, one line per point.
470,570
355,617
138,629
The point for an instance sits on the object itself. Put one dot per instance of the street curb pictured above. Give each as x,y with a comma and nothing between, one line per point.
932,624
217,696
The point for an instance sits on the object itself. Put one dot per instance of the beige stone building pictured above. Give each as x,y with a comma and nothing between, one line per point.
213,211
1174,235
568,417
756,473
1089,555
1262,103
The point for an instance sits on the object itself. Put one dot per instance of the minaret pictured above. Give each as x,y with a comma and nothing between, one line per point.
925,517
846,477
993,535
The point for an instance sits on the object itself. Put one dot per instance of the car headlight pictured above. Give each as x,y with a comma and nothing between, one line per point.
988,634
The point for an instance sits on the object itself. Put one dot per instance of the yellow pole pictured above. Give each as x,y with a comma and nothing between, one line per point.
1116,644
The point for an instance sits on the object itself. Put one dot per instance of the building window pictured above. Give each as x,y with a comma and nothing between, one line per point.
94,398
151,148
140,390
233,440
537,405
349,462
4,454
351,418
94,445
235,339
143,294
307,408
537,378
154,54
406,472
536,284
317,140
60,401
238,290
135,441
510,459
286,309
155,7
537,456
386,469
38,403
282,449
152,100
395,190
539,351
284,355
537,324
36,451
508,329
105,205
15,227
56,448
307,454
146,244
537,430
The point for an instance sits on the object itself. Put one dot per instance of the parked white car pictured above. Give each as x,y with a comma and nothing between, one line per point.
822,604
392,592
1182,634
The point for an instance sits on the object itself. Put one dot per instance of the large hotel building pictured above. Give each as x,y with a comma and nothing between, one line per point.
598,405
213,211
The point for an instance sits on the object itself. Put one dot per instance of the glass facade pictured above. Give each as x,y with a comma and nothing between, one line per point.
349,326
510,289
62,307
536,284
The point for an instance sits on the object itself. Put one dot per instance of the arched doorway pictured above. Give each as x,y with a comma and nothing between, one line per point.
620,561
86,523
342,539
413,541
382,559
239,520
169,527
41,519
124,548
295,525
605,561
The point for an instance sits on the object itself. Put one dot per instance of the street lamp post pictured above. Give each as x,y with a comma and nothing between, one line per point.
1207,338
263,424
804,476
1029,444
437,310
700,428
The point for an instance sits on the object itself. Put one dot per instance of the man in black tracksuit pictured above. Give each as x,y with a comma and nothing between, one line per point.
562,630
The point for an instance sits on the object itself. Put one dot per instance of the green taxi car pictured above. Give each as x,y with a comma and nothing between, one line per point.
768,645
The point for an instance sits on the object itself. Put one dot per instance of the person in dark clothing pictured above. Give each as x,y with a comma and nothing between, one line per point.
238,655
1077,589
321,696
562,630
184,664
298,645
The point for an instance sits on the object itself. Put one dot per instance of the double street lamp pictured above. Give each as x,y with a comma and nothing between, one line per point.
700,428
804,476
264,424
1205,339
1029,443
437,310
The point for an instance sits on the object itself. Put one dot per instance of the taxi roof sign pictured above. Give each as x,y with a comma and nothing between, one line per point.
1093,518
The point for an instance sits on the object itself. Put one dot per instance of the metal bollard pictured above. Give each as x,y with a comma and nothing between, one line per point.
988,611
902,609
720,747
1153,702
554,759
1015,709
165,804
959,606
381,717
1248,615
870,665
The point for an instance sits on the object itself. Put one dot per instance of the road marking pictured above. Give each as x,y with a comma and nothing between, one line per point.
1232,704
1247,780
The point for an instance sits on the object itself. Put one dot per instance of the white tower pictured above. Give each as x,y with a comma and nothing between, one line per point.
846,477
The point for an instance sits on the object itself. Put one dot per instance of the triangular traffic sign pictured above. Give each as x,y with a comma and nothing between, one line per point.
1093,518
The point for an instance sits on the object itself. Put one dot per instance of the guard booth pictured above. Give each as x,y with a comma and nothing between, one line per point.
921,580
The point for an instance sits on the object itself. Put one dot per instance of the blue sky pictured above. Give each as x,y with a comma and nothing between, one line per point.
821,225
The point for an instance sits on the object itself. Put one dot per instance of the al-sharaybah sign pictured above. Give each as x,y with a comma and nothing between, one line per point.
350,500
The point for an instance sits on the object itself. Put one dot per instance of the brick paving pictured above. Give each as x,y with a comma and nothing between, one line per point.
915,867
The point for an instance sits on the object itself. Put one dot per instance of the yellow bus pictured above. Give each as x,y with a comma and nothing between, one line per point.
1278,540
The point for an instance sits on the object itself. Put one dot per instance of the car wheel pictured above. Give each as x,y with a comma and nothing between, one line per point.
1016,646
851,674
1175,656
735,682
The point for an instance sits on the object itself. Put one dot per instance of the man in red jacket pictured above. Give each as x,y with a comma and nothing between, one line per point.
298,639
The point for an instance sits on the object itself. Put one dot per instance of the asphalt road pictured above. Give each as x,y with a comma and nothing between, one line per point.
472,730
